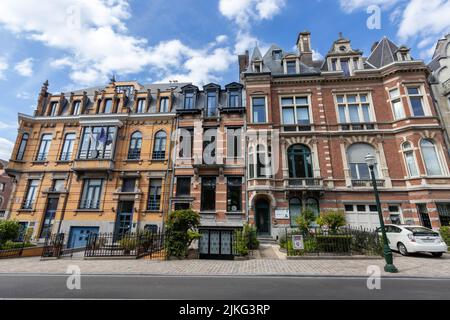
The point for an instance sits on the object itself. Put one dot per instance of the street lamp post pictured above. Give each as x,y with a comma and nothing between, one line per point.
389,267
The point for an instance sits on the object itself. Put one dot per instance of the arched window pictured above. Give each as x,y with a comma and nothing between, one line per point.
134,152
313,205
300,162
295,210
69,141
410,159
430,157
356,155
159,149
22,147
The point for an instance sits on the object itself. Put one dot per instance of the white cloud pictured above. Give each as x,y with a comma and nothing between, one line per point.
23,95
352,5
95,42
3,67
317,55
6,148
25,67
243,13
4,125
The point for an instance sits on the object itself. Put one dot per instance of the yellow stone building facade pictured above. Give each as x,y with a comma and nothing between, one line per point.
95,160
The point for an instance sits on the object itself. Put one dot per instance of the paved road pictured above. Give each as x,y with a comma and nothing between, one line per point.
237,288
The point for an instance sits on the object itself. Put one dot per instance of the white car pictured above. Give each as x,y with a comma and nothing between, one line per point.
409,239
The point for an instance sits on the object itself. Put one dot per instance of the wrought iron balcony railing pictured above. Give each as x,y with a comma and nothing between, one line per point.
366,183
154,204
159,155
42,156
27,204
306,182
90,204
95,155
134,154
66,156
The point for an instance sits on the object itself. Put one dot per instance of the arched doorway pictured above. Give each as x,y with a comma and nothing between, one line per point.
262,217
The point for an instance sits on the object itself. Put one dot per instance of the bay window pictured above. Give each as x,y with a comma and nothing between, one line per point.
97,143
416,100
410,159
397,104
354,109
431,157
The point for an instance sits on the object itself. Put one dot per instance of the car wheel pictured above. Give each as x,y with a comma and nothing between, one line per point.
402,249
437,254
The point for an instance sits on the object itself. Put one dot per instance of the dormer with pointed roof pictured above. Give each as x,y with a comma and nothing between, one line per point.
343,58
386,52
257,61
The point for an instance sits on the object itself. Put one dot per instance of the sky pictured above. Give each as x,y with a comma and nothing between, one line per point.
81,43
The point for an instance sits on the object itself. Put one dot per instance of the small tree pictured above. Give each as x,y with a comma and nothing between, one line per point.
304,220
333,219
181,230
445,234
9,230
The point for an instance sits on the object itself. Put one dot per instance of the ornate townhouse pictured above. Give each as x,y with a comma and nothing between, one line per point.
440,82
322,118
6,189
209,165
95,160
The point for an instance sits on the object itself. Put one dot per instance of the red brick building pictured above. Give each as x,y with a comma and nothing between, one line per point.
324,117
6,188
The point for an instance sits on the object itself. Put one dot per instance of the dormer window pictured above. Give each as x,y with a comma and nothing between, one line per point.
233,99
291,67
76,108
211,104
189,100
53,109
345,67
342,48
334,64
108,106
140,106
164,105
257,67
277,55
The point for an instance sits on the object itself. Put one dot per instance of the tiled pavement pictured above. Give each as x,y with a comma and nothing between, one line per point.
409,266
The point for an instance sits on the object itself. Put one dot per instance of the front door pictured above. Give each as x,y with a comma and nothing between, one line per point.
262,216
47,224
424,217
124,219
216,244
79,235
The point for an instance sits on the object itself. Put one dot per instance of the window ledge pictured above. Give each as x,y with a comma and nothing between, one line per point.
89,210
153,211
26,210
64,161
235,213
132,160
38,162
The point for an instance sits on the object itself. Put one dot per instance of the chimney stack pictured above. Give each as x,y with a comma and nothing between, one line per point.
244,60
304,48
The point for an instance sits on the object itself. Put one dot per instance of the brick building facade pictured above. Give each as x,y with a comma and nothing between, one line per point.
323,117
95,160
6,189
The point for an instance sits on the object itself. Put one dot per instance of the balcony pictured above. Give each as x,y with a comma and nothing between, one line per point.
367,183
189,111
134,154
306,183
93,160
90,204
446,86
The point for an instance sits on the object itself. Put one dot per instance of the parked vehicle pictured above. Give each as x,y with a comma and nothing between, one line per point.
409,239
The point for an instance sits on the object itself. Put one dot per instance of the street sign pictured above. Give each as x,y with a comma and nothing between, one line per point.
297,242
281,214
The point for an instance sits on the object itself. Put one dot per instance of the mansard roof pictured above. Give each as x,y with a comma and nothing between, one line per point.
384,53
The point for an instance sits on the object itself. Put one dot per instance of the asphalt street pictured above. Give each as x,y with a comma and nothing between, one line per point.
16,286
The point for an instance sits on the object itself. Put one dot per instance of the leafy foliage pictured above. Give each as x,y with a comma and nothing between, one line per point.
333,219
181,230
9,231
246,239
304,220
445,234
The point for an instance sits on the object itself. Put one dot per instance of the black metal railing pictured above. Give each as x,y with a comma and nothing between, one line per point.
305,182
56,247
42,156
28,204
133,245
345,241
154,204
366,183
134,154
66,156
95,154
159,155
90,204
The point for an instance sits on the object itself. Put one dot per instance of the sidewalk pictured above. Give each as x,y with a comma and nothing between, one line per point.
408,266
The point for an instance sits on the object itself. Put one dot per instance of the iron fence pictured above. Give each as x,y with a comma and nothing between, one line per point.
346,241
133,245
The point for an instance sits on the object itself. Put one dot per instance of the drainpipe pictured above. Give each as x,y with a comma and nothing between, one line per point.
63,210
172,159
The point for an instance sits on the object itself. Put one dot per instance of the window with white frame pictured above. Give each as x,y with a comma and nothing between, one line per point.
31,194
44,147
295,111
354,108
410,159
90,197
291,67
76,108
431,157
356,155
397,104
53,108
259,110
416,101
140,108
164,105
67,150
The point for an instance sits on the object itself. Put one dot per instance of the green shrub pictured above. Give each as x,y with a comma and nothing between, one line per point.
128,244
181,230
332,219
246,239
9,230
304,220
445,234
15,245
334,243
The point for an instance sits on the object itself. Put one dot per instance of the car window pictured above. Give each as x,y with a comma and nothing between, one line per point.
421,231
396,229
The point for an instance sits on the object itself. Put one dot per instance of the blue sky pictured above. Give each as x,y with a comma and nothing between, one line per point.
80,43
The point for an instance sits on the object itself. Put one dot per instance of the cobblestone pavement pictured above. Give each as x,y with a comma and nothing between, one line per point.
409,266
